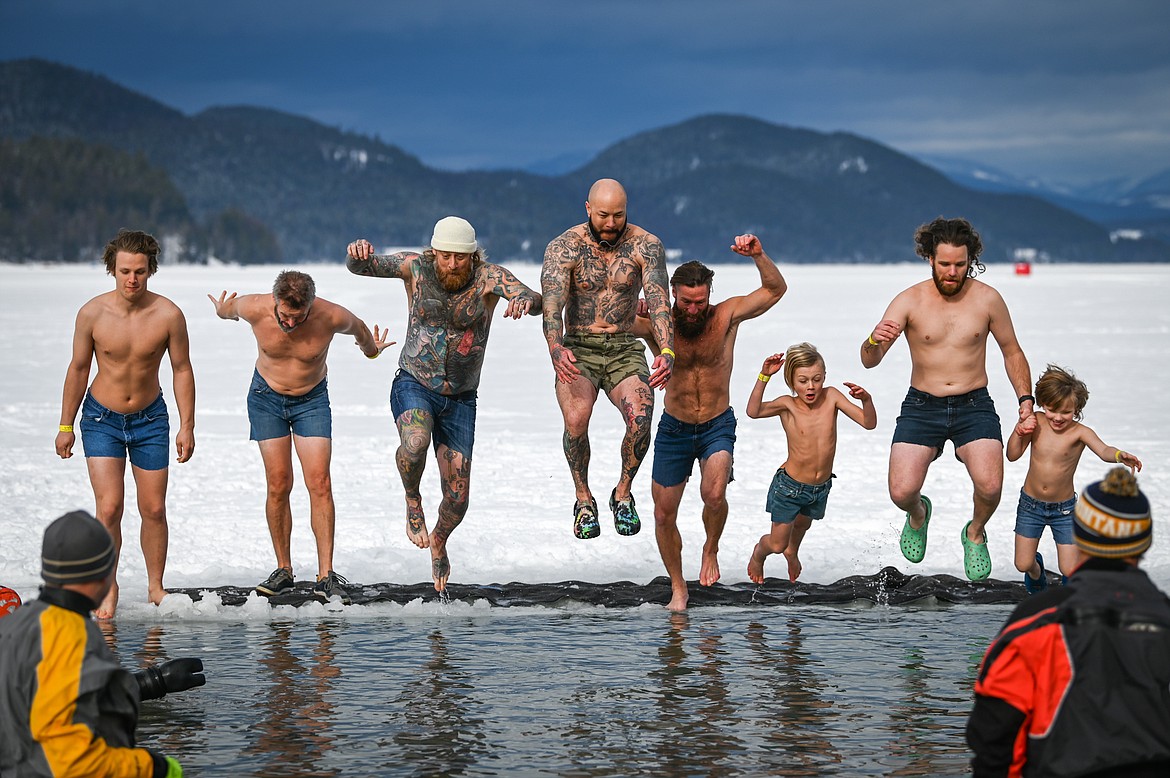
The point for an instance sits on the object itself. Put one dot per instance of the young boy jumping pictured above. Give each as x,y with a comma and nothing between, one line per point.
800,488
1047,498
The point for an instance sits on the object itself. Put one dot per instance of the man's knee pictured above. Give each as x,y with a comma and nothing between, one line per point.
280,484
319,484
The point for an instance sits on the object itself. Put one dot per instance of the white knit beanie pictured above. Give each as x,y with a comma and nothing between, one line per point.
455,235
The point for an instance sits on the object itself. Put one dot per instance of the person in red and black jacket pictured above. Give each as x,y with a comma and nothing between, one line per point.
1077,683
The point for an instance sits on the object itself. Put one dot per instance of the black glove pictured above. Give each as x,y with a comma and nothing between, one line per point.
174,676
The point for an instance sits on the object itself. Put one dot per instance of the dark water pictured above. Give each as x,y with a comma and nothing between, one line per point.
578,691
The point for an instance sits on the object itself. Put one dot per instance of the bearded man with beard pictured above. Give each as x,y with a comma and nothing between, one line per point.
592,276
697,422
451,291
288,406
946,321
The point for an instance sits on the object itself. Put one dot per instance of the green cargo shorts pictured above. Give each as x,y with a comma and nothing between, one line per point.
608,359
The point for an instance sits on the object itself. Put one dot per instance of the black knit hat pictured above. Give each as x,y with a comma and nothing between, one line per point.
1113,517
77,549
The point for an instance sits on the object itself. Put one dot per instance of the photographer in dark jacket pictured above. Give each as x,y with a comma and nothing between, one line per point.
67,708
1077,683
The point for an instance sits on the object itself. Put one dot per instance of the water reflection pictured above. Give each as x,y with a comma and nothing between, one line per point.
801,718
433,718
294,727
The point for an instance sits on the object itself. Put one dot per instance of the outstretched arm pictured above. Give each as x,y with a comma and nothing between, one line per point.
866,415
76,379
1013,355
361,260
1110,454
772,283
371,344
521,299
655,285
555,276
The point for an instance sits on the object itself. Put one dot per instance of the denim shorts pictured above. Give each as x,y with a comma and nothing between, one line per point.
927,420
788,498
275,415
452,416
677,445
1032,516
607,359
144,435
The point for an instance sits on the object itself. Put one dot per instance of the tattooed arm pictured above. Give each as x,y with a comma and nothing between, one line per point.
521,299
655,284
361,260
555,277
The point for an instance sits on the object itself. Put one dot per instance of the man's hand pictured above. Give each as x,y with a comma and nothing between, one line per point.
64,444
360,249
380,342
747,245
886,331
518,307
563,359
184,445
225,305
661,370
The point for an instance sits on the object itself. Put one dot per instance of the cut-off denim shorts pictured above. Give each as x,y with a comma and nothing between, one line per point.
788,498
143,435
275,415
453,416
677,445
927,420
1032,516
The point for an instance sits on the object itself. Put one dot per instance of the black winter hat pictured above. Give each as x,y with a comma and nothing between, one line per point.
77,549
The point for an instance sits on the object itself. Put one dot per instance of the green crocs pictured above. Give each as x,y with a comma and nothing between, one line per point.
913,541
976,559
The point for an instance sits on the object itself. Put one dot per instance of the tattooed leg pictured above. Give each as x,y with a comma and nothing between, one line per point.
414,431
576,401
455,473
635,400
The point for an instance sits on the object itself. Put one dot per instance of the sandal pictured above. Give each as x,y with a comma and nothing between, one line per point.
976,558
913,541
585,523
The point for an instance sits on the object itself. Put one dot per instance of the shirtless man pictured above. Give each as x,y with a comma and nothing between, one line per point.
128,330
946,321
451,291
288,405
697,421
594,273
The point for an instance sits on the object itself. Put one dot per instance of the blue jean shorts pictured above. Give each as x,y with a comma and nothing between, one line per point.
788,498
143,435
677,445
452,416
927,420
275,415
1032,516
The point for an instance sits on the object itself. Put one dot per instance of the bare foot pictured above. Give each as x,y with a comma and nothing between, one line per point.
416,524
756,565
709,570
157,595
794,566
678,598
109,604
440,568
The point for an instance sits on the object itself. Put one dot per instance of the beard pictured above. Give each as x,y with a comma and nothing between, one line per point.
938,284
453,281
609,238
690,327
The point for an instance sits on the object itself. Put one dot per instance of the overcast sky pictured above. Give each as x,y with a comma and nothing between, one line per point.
1068,90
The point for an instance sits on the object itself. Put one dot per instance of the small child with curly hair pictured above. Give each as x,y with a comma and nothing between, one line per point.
800,489
1047,499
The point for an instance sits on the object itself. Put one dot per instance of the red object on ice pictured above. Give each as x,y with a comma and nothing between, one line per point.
9,601
1023,268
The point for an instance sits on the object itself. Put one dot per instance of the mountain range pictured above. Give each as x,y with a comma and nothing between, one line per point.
252,184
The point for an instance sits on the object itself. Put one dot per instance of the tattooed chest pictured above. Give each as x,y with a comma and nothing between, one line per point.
604,291
445,338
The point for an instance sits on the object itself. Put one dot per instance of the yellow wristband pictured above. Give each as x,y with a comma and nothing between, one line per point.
669,352
872,342
65,428
1117,456
374,355
765,378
